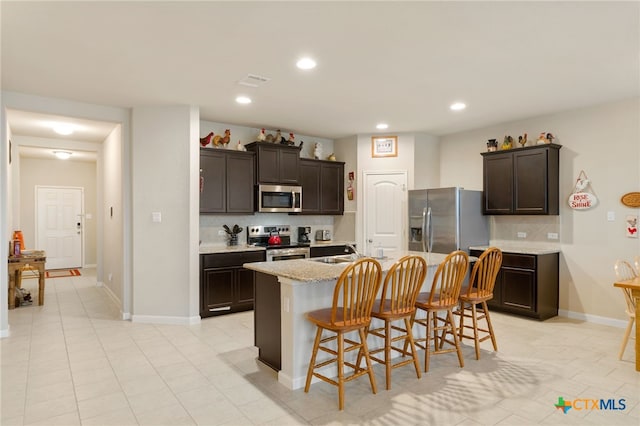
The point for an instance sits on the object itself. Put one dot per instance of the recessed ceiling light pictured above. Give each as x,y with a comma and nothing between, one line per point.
457,106
243,100
63,129
63,155
382,126
306,64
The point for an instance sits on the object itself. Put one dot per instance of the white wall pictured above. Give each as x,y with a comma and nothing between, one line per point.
164,272
5,215
60,107
53,172
604,142
346,150
427,161
111,269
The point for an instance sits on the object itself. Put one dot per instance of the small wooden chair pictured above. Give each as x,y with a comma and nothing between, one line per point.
444,294
480,289
624,271
399,292
353,298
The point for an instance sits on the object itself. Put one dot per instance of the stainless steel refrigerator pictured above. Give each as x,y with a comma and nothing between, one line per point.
442,220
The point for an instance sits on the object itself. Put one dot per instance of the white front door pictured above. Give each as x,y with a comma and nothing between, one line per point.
59,213
385,211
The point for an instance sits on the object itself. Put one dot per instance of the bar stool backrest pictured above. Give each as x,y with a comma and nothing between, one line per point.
447,281
484,273
355,292
402,285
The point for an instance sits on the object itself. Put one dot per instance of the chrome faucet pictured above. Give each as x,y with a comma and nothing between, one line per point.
355,253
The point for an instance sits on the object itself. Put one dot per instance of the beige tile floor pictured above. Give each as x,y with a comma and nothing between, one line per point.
73,362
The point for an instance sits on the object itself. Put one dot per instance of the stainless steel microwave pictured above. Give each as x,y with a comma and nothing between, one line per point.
279,198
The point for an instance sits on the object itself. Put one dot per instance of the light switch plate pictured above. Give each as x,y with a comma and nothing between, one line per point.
156,217
552,235
611,216
522,235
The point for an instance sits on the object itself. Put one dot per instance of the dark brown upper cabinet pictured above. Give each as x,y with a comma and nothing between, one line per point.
276,163
521,181
226,181
322,186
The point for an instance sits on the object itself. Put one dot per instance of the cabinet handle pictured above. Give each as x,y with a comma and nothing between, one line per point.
225,308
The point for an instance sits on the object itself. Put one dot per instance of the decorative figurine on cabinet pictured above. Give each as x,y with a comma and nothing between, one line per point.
222,140
331,157
240,147
522,140
291,139
545,138
492,145
317,151
278,137
206,140
507,143
261,135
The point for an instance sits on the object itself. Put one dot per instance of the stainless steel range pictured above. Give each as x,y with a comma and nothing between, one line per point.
263,235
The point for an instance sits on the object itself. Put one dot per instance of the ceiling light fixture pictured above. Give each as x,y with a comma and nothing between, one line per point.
457,106
382,126
306,64
243,100
63,129
63,155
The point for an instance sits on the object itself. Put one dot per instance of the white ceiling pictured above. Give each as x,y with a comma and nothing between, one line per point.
398,62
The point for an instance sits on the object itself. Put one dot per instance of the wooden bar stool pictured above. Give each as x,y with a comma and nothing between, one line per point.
624,271
399,292
480,289
443,297
353,298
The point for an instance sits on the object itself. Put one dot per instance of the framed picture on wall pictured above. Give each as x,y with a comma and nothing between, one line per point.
384,146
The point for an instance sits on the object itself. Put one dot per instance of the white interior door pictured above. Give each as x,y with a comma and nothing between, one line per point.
385,211
59,213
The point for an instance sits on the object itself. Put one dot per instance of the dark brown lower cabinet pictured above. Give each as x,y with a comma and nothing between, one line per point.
526,285
266,320
225,286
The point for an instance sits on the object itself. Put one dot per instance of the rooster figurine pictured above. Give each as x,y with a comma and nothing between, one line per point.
291,139
222,140
240,147
262,136
206,140
278,137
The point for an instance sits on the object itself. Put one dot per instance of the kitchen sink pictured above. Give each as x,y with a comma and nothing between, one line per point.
333,259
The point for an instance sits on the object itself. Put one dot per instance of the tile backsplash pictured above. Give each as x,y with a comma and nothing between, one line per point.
211,224
536,228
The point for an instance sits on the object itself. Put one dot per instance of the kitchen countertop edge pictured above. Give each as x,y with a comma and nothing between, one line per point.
518,249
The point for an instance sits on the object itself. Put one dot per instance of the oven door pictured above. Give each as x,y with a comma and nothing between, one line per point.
274,255
279,198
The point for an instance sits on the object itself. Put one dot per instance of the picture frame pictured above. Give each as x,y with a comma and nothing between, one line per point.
384,146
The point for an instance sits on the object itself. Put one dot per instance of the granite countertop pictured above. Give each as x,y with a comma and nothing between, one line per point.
330,243
520,248
308,270
218,248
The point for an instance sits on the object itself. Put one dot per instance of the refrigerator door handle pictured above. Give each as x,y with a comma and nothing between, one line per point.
429,233
424,229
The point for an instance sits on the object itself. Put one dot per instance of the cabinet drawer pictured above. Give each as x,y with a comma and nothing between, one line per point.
519,260
221,260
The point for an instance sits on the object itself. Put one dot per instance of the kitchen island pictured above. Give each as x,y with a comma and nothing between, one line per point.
284,292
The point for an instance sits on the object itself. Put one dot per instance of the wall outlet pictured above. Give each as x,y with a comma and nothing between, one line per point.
110,277
522,235
221,232
552,235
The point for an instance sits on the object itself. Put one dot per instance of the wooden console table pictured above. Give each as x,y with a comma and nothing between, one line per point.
33,258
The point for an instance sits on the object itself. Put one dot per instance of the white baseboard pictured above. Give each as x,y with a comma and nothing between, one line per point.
5,332
99,284
90,265
157,319
596,319
125,315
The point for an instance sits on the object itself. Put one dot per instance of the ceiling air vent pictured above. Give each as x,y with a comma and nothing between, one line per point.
253,80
